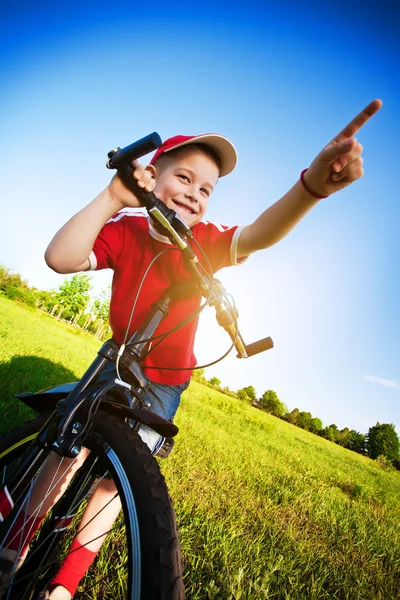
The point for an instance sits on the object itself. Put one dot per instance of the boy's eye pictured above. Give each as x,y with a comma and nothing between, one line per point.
206,192
183,177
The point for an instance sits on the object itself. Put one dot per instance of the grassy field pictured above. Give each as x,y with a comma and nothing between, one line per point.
265,510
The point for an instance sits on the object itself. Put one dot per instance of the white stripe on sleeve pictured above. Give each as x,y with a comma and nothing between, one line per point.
92,261
234,247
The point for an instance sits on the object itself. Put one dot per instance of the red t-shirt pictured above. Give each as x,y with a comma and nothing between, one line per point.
127,244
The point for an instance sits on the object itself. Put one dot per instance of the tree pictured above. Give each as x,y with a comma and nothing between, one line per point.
315,425
241,394
15,288
357,441
73,295
342,437
20,294
11,280
215,381
305,420
292,417
248,394
328,433
382,440
270,402
3,275
101,305
250,391
100,311
46,299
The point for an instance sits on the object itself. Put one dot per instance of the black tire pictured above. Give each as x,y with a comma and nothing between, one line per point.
147,509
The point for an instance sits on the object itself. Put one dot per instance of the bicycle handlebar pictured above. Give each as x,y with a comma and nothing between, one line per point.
122,157
260,346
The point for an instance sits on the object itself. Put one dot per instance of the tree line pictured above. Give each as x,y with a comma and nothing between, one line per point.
72,302
380,443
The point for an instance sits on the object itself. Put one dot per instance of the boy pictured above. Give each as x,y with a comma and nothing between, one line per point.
183,174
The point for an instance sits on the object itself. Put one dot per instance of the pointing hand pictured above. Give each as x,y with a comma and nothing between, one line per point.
340,162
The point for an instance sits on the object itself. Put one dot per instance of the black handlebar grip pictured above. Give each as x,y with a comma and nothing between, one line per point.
260,346
124,156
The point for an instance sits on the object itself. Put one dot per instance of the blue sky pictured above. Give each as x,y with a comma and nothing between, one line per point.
280,81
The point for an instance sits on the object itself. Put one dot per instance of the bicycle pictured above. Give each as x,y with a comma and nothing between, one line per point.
104,417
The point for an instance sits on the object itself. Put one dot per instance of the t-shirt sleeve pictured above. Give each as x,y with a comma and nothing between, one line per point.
108,244
220,244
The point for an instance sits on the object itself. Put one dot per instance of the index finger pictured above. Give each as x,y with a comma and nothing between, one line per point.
358,121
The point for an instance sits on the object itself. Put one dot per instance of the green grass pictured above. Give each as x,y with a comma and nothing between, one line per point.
37,352
265,510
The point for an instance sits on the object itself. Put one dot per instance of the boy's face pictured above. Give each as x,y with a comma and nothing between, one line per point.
185,182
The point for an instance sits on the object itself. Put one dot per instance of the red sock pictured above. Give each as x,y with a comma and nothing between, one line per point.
22,532
74,567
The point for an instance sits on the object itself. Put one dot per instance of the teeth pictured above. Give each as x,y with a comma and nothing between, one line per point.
185,208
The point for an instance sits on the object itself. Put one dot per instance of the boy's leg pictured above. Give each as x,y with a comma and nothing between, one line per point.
53,481
50,484
98,518
164,400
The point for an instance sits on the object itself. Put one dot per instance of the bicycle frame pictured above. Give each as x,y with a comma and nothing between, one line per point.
74,406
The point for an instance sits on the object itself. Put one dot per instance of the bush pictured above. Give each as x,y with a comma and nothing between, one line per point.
385,463
198,375
9,279
20,295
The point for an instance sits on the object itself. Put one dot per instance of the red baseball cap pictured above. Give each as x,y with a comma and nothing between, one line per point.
224,149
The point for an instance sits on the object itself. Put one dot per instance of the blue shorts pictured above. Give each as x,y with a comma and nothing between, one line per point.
163,399
165,404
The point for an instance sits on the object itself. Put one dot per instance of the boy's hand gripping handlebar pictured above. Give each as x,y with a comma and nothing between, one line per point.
212,289
121,159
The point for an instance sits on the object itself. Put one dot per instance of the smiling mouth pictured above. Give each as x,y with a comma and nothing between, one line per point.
184,207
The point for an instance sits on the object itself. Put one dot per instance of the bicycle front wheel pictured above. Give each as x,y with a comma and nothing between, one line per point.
140,559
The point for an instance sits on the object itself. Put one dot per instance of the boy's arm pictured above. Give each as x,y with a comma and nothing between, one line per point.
69,250
338,165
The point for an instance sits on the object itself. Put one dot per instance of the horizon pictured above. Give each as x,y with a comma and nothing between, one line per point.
385,383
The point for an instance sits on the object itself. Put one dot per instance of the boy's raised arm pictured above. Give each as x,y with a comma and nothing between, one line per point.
338,165
69,250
